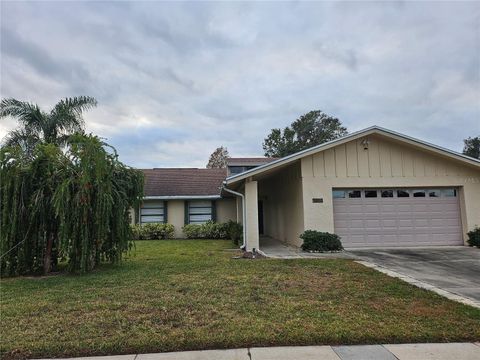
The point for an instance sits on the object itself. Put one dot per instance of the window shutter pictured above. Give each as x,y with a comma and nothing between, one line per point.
214,211
186,213
165,212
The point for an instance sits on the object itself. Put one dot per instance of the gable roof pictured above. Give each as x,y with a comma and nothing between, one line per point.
353,136
249,161
183,183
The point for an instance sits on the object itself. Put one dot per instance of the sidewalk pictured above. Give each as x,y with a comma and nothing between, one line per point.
444,351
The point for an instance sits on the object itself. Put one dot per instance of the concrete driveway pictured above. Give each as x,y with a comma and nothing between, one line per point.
454,269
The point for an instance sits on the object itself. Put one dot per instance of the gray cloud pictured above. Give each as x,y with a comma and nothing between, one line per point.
176,80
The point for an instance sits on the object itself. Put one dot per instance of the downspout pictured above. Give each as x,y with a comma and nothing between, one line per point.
244,214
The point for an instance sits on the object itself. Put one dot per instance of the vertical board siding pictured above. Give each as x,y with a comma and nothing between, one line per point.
382,159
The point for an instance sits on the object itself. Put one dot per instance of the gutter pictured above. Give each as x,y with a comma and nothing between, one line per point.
244,214
183,197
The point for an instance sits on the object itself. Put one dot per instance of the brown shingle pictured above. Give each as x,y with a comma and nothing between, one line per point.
183,181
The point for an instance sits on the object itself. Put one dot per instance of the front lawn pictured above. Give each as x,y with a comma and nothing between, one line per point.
184,295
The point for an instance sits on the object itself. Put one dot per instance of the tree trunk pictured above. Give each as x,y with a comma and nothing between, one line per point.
47,264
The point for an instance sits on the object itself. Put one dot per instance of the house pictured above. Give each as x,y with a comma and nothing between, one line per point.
374,188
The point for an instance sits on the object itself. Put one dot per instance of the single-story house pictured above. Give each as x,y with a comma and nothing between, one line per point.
374,188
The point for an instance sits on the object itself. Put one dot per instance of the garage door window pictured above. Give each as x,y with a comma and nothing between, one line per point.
370,193
403,193
449,192
387,193
338,194
434,193
354,194
418,193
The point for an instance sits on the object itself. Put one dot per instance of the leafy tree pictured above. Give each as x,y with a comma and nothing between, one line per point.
472,147
311,129
67,203
37,126
218,159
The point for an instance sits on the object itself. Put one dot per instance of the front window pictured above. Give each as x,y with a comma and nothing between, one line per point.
199,212
152,212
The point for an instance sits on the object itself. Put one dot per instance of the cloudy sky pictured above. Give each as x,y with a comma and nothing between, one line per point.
176,80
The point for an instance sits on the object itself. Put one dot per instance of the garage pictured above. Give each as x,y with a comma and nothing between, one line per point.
397,217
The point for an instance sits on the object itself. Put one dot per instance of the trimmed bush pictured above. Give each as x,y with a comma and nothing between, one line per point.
474,237
316,241
152,231
212,230
234,231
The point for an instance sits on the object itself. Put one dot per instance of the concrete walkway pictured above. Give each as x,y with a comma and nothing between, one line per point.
448,351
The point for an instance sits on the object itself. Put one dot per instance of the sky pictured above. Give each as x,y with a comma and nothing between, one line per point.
176,80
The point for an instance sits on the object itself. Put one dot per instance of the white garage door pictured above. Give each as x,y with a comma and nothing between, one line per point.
397,217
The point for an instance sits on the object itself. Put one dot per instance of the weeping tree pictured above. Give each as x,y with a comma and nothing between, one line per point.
64,197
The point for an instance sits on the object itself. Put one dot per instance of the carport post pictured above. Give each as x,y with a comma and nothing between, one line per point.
251,205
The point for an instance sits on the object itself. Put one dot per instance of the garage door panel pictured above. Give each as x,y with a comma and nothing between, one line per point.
370,222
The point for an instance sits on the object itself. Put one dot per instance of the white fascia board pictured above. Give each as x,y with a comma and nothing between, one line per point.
183,197
358,134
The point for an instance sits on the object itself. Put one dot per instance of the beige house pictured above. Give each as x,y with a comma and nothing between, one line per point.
374,188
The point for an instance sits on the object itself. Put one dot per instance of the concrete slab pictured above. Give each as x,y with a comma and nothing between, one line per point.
464,351
363,352
294,352
453,269
234,354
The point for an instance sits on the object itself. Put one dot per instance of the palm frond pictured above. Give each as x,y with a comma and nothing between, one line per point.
26,113
22,138
67,113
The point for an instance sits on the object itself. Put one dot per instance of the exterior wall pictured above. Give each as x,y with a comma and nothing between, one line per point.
282,205
225,210
176,216
386,163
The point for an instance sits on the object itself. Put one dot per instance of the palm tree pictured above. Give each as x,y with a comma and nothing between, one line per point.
37,126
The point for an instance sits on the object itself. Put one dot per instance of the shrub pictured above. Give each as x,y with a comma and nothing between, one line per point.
210,230
474,237
317,241
153,231
234,231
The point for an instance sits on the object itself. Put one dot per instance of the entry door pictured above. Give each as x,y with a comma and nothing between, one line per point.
397,217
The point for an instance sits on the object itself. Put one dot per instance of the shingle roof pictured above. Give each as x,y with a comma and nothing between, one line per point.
183,181
237,161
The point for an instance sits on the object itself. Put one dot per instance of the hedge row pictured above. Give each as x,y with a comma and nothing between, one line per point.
209,230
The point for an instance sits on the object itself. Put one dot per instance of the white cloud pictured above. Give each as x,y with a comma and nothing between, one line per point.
176,80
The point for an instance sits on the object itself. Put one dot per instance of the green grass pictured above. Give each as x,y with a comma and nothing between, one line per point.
185,295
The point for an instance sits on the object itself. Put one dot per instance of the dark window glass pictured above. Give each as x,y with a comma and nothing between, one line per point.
402,193
236,169
387,193
434,193
418,193
338,194
370,193
449,192
354,193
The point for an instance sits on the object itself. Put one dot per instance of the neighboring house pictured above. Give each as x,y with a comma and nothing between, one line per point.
374,188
